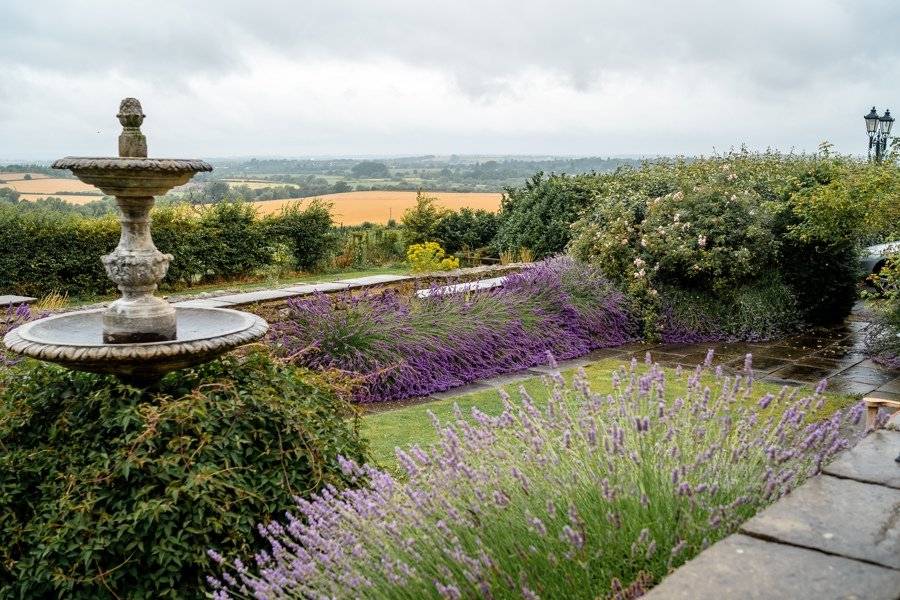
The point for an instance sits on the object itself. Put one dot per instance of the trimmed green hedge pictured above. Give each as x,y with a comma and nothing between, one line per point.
110,491
47,251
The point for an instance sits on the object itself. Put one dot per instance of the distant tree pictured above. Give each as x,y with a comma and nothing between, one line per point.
340,187
27,177
215,191
370,169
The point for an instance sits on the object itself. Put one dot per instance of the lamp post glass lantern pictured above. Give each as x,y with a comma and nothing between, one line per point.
878,127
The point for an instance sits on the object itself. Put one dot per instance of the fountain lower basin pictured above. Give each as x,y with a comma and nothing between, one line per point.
75,340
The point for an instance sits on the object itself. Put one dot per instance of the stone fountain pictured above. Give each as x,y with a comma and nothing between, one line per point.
139,337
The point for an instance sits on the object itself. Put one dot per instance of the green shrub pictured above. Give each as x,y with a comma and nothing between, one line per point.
465,229
420,223
713,227
538,216
110,491
307,231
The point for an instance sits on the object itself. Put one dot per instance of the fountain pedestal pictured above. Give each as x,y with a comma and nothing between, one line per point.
139,336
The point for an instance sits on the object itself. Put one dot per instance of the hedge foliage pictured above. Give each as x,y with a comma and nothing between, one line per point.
47,251
739,224
108,491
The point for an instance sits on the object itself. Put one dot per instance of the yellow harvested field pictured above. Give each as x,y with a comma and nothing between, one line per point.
353,208
256,184
8,176
49,185
66,197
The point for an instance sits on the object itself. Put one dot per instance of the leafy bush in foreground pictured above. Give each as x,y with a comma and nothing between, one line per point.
110,491
883,336
404,347
589,497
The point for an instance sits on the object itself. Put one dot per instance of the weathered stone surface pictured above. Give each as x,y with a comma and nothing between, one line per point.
310,288
7,300
804,373
892,386
871,461
462,390
743,568
203,303
837,516
563,365
257,296
372,280
509,378
469,286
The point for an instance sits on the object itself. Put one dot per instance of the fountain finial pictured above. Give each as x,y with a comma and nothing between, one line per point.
132,142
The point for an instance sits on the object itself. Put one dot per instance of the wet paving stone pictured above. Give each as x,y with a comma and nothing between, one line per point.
761,363
682,349
784,382
839,352
882,395
837,516
840,385
805,373
783,352
808,342
744,568
823,363
854,325
891,386
871,460
837,365
864,375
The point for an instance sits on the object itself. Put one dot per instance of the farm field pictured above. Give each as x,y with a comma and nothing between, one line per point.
70,198
257,184
10,176
353,208
49,186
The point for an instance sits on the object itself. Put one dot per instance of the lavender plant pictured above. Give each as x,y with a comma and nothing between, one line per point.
403,347
587,497
10,318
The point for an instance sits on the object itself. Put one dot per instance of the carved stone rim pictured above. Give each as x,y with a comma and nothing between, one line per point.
168,165
147,352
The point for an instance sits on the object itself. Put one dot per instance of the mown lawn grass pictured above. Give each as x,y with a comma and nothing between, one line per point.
409,425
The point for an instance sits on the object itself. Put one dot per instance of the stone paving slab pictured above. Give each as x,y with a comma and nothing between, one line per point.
836,516
8,300
743,568
373,280
871,460
471,286
891,386
311,288
204,303
563,365
476,386
508,378
257,296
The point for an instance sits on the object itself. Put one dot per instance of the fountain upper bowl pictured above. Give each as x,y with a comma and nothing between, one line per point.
133,177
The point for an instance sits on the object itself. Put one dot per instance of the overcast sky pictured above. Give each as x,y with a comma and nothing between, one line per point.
378,77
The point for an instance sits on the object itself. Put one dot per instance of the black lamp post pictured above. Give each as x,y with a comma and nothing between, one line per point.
879,128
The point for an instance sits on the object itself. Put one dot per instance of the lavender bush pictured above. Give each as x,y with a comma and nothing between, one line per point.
10,318
404,347
587,497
